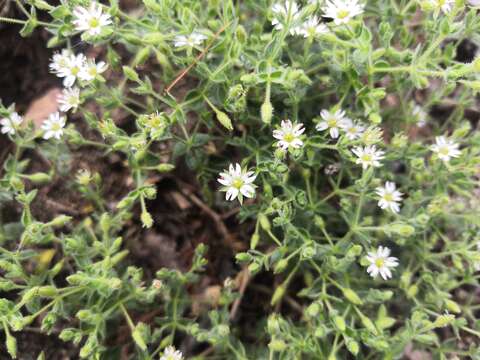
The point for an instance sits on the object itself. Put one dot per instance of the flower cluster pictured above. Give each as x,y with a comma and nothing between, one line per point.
288,12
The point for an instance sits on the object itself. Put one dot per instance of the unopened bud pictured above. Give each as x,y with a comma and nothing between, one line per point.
266,111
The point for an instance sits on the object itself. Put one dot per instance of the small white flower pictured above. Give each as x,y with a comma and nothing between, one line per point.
289,135
342,11
69,99
390,197
353,130
331,121
91,19
444,5
381,262
170,353
60,61
445,148
91,70
311,28
10,124
368,156
192,40
68,66
420,116
237,183
281,10
53,126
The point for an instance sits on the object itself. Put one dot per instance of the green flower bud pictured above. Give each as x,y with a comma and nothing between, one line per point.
277,345
313,309
339,323
11,343
60,221
264,222
224,120
138,336
318,221
402,229
280,266
146,219
131,74
352,345
443,320
163,168
266,111
254,240
412,291
39,178
452,306
47,291
278,294
352,296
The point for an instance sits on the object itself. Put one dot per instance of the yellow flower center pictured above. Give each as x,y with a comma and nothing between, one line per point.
366,157
237,183
342,14
93,23
288,137
332,122
443,150
388,197
75,70
379,262
56,127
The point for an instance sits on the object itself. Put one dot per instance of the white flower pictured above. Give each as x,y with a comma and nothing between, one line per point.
420,116
381,262
331,121
237,183
353,130
60,61
368,156
311,27
390,197
191,40
281,11
171,354
68,66
69,99
53,126
90,20
342,11
444,5
445,148
289,135
91,70
10,124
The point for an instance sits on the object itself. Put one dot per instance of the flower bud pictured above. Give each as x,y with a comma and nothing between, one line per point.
224,120
254,240
278,294
131,74
163,168
264,222
313,309
280,266
266,111
352,296
339,323
277,345
352,346
443,320
11,343
146,219
452,306
39,178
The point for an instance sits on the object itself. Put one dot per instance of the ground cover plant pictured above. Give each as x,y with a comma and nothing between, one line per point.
242,180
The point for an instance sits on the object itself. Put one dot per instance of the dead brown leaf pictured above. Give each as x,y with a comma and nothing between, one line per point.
40,108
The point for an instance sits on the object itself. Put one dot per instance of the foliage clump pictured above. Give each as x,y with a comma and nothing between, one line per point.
337,134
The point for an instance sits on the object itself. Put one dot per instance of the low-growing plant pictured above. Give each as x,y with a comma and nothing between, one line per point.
344,133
